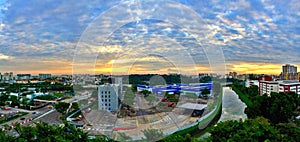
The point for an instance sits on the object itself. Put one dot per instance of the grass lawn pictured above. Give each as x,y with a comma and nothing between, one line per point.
58,95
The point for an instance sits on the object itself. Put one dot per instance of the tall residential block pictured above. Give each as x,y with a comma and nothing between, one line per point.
289,72
108,97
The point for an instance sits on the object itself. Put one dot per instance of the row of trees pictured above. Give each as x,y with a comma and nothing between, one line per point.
258,129
278,107
43,132
250,92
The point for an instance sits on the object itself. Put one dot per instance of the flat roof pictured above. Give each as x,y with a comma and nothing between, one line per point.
193,106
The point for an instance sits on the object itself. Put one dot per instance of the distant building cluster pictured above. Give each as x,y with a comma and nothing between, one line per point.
232,75
7,76
44,76
289,81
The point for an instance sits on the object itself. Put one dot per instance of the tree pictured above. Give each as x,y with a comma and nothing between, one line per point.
46,132
3,99
133,87
205,92
75,106
288,132
62,107
14,100
258,129
4,137
145,93
205,79
278,107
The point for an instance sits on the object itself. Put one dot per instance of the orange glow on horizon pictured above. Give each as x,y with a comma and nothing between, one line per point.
256,68
240,68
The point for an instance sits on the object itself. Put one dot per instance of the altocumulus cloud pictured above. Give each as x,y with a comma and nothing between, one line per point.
256,31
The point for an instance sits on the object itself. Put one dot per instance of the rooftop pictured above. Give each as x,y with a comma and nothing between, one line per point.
193,106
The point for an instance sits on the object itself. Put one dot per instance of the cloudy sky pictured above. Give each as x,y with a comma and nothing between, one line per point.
104,36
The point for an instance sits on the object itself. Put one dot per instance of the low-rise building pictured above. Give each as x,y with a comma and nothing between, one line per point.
267,85
23,76
193,88
289,86
44,76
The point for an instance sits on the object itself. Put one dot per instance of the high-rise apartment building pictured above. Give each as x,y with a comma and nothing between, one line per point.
108,98
289,72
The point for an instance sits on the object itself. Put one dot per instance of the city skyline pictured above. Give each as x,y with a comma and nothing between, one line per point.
255,36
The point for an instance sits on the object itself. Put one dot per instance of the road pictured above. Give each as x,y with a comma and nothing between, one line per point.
77,98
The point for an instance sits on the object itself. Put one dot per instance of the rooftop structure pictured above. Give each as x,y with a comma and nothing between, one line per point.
193,106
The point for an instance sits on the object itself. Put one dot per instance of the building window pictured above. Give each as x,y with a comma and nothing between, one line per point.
108,92
105,92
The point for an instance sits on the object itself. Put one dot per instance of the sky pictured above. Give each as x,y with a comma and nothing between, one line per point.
121,37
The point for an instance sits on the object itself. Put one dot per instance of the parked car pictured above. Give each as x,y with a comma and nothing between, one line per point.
164,99
197,113
170,104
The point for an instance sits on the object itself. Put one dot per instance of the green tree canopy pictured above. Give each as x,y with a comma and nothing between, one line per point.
43,132
258,129
278,107
205,92
62,107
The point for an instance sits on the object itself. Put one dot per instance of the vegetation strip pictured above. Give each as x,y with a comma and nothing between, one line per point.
242,96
